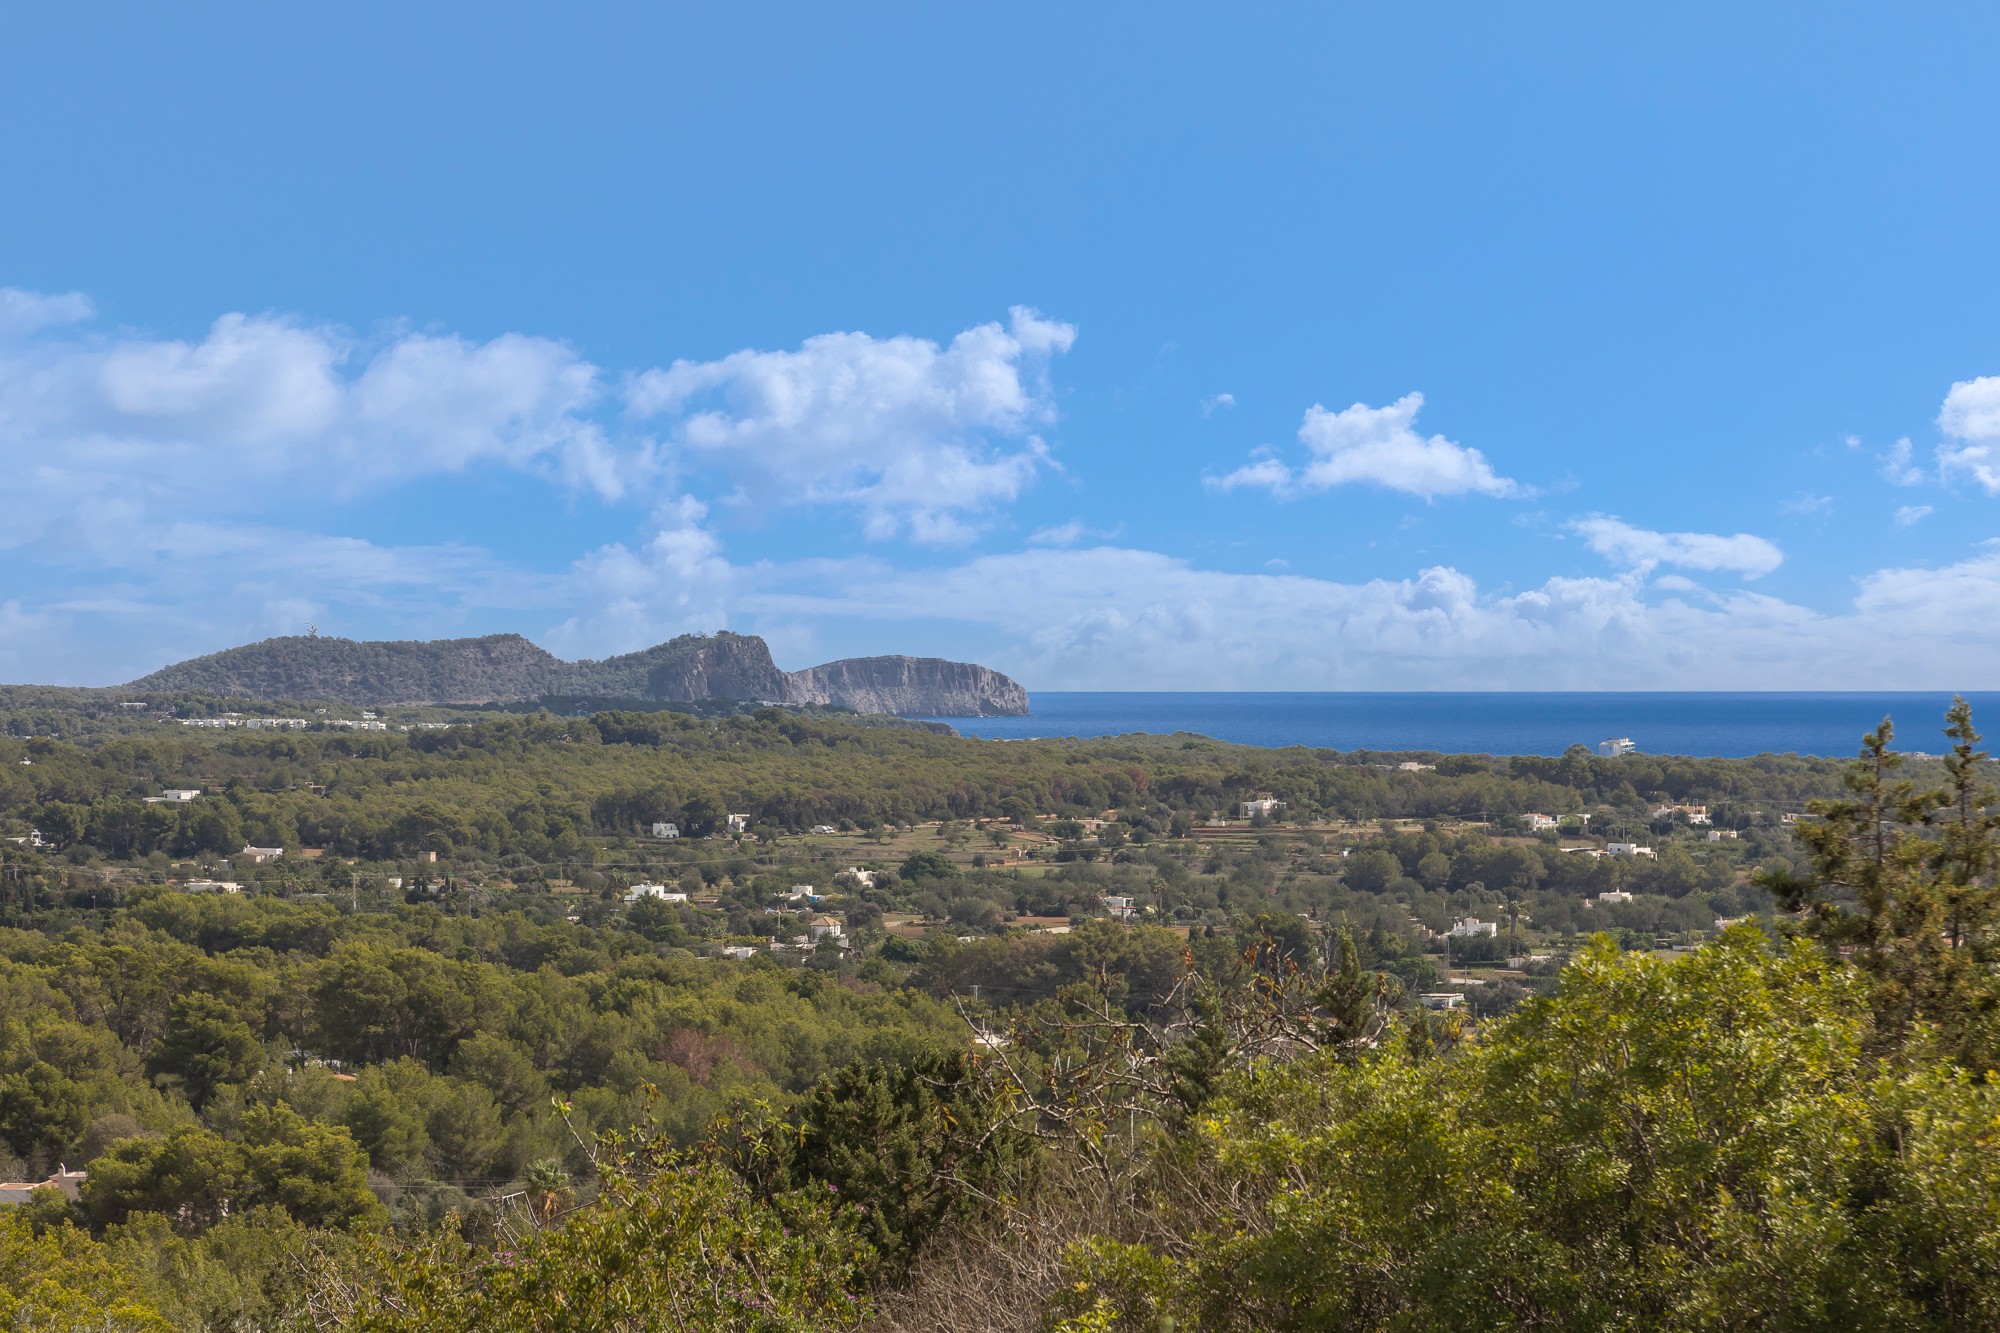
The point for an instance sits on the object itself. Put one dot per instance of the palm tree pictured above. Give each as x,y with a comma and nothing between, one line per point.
547,1188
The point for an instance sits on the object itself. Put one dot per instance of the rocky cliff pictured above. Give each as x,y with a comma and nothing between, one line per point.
506,668
911,686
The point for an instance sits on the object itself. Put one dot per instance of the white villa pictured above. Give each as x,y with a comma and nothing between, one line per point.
656,891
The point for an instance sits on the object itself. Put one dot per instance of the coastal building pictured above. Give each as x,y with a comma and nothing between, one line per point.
1613,746
665,829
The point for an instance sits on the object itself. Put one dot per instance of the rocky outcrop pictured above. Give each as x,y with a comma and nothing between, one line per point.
911,686
685,669
506,668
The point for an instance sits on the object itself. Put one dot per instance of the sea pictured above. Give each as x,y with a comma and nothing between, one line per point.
1707,724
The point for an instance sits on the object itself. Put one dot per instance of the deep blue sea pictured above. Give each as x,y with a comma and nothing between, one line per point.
1728,725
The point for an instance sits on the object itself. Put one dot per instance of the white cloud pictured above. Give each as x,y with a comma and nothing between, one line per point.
1377,446
1910,515
22,313
677,582
1897,469
103,435
1805,502
1217,401
921,439
1060,534
1640,549
1970,420
1111,618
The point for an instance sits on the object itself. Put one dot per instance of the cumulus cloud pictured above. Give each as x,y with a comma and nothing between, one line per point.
920,439
676,582
1970,420
1910,515
103,434
1377,446
1643,550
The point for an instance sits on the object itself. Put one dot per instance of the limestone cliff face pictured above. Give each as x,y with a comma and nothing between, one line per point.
506,668
911,687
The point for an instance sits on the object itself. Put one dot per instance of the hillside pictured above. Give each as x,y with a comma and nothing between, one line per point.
506,668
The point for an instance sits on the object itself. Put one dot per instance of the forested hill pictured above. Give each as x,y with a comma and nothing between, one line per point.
506,668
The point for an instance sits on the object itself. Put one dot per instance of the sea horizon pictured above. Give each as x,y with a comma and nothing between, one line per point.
1701,723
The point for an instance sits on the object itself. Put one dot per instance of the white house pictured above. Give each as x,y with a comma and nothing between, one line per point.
828,927
1412,766
666,830
212,886
1263,805
174,796
64,1179
738,951
1613,896
1539,823
824,828
657,891
863,878
1626,849
1120,906
261,854
739,823
1723,835
1442,999
1468,926
1613,746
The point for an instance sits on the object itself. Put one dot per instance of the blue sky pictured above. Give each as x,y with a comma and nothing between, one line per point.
1116,346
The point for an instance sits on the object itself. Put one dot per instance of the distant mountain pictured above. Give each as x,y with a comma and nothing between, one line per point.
506,668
